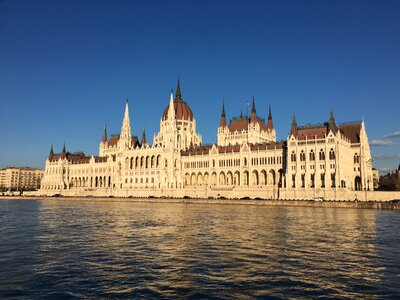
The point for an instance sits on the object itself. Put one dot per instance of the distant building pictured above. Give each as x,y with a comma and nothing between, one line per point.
327,160
20,179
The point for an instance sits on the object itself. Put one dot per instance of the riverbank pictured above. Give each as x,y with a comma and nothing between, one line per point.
308,203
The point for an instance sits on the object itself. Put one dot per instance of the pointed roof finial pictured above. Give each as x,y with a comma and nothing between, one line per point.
63,152
253,117
269,113
178,95
294,122
270,125
51,152
331,117
143,137
241,113
104,139
332,123
293,129
222,123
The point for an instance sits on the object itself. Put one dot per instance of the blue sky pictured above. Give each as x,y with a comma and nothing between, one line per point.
67,67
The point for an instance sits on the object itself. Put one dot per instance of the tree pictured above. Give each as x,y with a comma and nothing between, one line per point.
390,182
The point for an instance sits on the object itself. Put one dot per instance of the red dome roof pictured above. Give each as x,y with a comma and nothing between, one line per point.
182,111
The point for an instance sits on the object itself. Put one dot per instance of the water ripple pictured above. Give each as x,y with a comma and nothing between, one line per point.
80,250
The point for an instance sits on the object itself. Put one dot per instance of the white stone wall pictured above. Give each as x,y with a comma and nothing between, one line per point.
161,169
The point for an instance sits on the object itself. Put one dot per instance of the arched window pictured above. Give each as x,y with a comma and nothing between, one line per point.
137,162
321,155
333,178
312,155
293,156
302,156
356,158
331,154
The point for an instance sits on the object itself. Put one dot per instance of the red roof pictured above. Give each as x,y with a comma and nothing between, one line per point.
351,131
197,151
113,140
312,133
182,111
240,124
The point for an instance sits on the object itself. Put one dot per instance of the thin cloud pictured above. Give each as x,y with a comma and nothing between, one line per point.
382,143
394,134
386,156
384,171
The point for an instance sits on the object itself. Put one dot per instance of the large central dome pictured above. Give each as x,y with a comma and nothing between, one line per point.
182,110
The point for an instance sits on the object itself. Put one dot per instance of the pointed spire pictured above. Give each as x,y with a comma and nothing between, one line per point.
63,152
51,154
104,139
178,95
332,123
171,108
241,113
143,137
222,123
331,117
270,125
294,125
253,117
126,113
126,124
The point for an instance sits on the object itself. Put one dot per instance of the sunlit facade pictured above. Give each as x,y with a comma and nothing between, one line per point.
20,179
326,160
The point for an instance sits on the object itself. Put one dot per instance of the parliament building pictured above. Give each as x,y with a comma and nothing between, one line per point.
324,161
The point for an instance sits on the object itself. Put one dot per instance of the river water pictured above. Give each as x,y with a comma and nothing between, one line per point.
71,249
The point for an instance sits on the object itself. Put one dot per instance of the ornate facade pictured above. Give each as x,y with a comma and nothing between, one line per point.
322,161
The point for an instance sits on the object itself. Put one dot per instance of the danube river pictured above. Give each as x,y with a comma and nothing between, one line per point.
71,249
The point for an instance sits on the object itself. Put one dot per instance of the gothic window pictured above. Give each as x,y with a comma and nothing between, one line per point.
321,155
312,155
331,154
322,180
302,156
293,156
